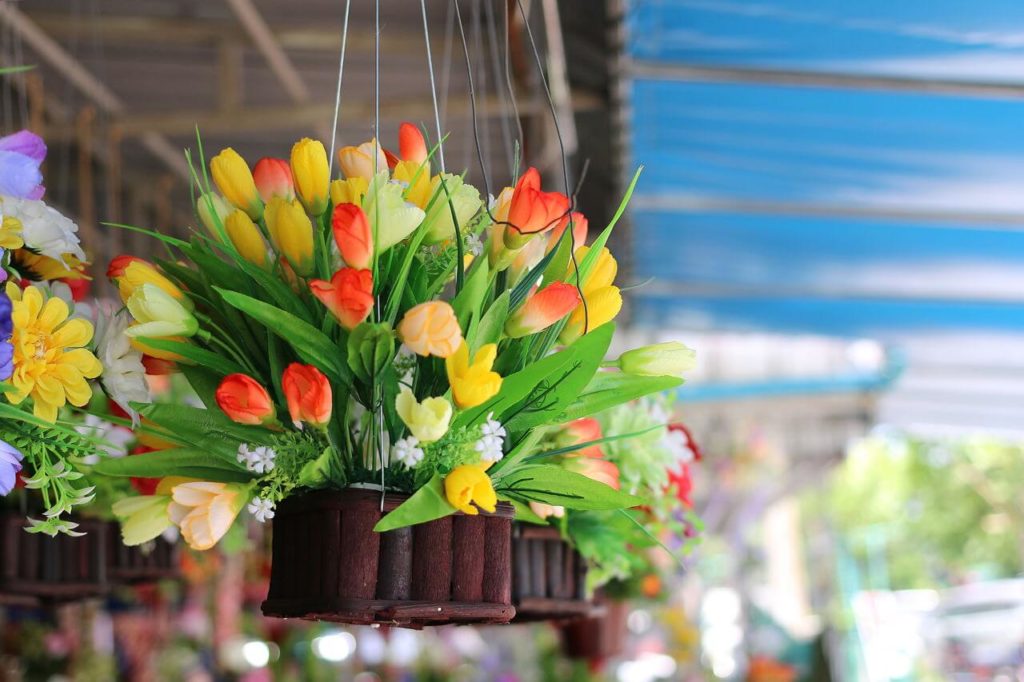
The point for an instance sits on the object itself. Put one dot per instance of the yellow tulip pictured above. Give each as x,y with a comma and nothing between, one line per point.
473,384
467,485
139,272
416,177
244,234
311,174
233,178
428,420
602,272
350,191
292,233
158,315
205,511
145,517
602,307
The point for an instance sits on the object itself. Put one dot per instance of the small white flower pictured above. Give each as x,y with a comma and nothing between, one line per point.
474,245
490,448
259,459
492,427
124,376
676,442
262,509
407,451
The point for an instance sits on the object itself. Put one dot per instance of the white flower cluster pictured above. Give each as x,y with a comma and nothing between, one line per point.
407,451
259,459
44,229
491,445
261,508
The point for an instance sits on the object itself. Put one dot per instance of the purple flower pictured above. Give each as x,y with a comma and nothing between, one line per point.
10,465
20,156
6,328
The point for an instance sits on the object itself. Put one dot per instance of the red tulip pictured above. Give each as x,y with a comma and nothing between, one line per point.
349,295
543,309
353,236
411,145
308,394
273,178
119,263
531,211
244,400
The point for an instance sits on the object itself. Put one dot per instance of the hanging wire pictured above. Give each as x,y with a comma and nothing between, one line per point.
446,61
433,86
337,92
506,131
481,71
379,402
511,91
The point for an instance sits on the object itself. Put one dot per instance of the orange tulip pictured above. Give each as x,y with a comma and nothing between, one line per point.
308,394
543,309
531,211
598,470
353,236
244,400
431,328
349,295
579,230
411,145
585,431
273,178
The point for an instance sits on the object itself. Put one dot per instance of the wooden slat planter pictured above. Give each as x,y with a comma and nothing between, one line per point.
598,638
61,568
329,564
135,565
548,576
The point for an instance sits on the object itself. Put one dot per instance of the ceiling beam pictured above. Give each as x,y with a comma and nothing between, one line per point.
737,74
262,37
85,82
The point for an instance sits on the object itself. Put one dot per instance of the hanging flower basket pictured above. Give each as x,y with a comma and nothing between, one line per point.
598,637
329,564
548,576
142,564
59,568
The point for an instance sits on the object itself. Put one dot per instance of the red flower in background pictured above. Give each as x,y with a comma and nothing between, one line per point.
144,486
683,483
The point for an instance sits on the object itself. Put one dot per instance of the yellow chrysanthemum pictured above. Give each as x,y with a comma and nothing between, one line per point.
51,364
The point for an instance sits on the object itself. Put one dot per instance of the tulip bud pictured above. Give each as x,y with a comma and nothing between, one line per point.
363,161
580,226
245,401
158,315
273,178
291,233
308,394
120,263
661,359
602,307
371,348
350,191
349,295
531,211
233,178
411,145
353,236
213,211
543,309
244,234
130,273
455,195
312,174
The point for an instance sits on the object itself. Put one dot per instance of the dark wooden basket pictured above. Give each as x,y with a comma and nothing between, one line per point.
598,638
329,564
61,568
138,565
548,576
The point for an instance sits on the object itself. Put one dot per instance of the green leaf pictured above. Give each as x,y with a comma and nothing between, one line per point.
196,355
615,388
557,267
525,514
555,485
522,289
546,454
309,342
468,301
426,504
204,382
315,474
201,429
188,462
602,239
491,325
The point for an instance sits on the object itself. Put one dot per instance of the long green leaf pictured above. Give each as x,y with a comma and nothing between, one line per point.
197,355
187,462
616,389
555,485
426,504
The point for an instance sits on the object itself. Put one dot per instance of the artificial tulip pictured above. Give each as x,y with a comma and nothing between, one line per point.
350,191
204,511
531,211
580,227
411,145
525,259
427,420
312,174
158,315
273,178
599,470
233,178
416,177
545,510
245,401
473,383
349,295
469,485
246,238
213,211
602,272
145,517
602,307
455,195
292,234
364,161
308,394
353,236
130,273
542,309
585,430
661,359
431,328
390,217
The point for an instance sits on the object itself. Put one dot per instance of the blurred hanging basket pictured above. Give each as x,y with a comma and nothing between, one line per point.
155,561
38,567
548,576
329,564
598,637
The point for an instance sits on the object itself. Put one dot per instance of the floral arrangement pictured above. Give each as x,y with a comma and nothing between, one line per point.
389,329
50,347
632,448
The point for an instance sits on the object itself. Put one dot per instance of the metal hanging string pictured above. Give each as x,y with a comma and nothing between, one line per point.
337,92
511,90
433,86
376,191
506,131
